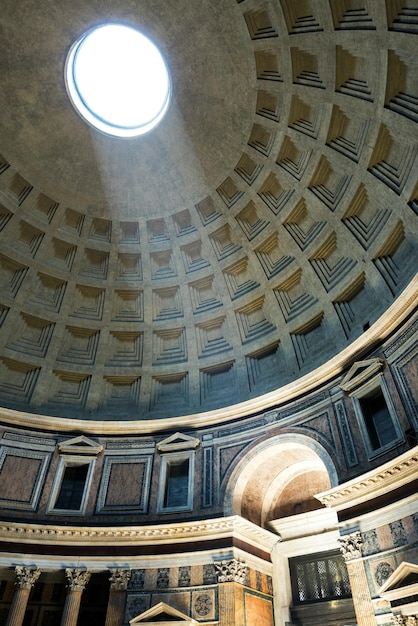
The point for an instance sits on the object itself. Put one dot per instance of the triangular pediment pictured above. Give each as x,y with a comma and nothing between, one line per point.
360,374
402,583
178,441
80,445
162,614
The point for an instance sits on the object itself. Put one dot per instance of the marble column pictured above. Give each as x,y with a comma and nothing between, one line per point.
351,548
119,579
26,577
77,581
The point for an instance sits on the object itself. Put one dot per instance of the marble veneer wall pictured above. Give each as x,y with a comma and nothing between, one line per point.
126,470
195,591
378,531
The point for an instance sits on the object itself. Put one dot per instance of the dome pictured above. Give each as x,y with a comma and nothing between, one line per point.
257,234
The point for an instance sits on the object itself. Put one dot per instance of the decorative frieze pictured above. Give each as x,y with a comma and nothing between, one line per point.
386,478
137,580
271,416
370,542
129,445
403,338
163,579
209,574
235,526
34,441
303,406
184,576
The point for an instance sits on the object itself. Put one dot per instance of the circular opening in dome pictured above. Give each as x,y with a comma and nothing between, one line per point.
117,80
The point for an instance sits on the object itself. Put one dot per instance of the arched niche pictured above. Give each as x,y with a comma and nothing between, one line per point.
279,478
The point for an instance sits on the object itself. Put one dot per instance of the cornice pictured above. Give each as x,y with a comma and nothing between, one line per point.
162,534
387,324
377,482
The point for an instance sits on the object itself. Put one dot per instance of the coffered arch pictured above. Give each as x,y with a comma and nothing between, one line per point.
279,478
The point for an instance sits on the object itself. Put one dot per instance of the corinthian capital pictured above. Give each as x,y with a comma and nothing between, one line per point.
231,571
350,546
119,579
26,577
77,579
405,620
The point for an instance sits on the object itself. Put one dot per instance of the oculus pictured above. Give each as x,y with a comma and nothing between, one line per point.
117,80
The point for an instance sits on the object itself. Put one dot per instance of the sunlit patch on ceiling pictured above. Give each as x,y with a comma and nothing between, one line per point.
117,80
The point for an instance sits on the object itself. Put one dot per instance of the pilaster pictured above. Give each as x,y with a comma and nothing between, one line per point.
119,580
351,548
231,576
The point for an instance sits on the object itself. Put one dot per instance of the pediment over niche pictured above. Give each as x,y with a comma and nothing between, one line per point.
361,374
163,615
80,445
402,583
178,441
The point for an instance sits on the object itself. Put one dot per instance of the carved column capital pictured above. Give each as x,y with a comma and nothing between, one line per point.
405,620
26,577
119,579
77,579
351,546
231,571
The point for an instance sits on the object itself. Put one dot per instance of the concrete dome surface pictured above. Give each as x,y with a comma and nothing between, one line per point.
258,231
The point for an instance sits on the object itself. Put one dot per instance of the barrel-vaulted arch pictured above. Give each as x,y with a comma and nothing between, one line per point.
279,478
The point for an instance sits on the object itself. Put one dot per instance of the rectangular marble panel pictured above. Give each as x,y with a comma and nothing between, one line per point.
258,610
21,477
125,484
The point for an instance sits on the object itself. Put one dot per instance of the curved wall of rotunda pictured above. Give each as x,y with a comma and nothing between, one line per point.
263,467
215,520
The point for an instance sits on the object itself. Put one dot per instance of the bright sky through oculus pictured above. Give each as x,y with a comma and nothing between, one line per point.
117,80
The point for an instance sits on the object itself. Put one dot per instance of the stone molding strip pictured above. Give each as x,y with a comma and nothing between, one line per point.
234,526
388,477
387,324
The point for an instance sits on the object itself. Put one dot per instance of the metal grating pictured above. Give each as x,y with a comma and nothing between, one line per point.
319,577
